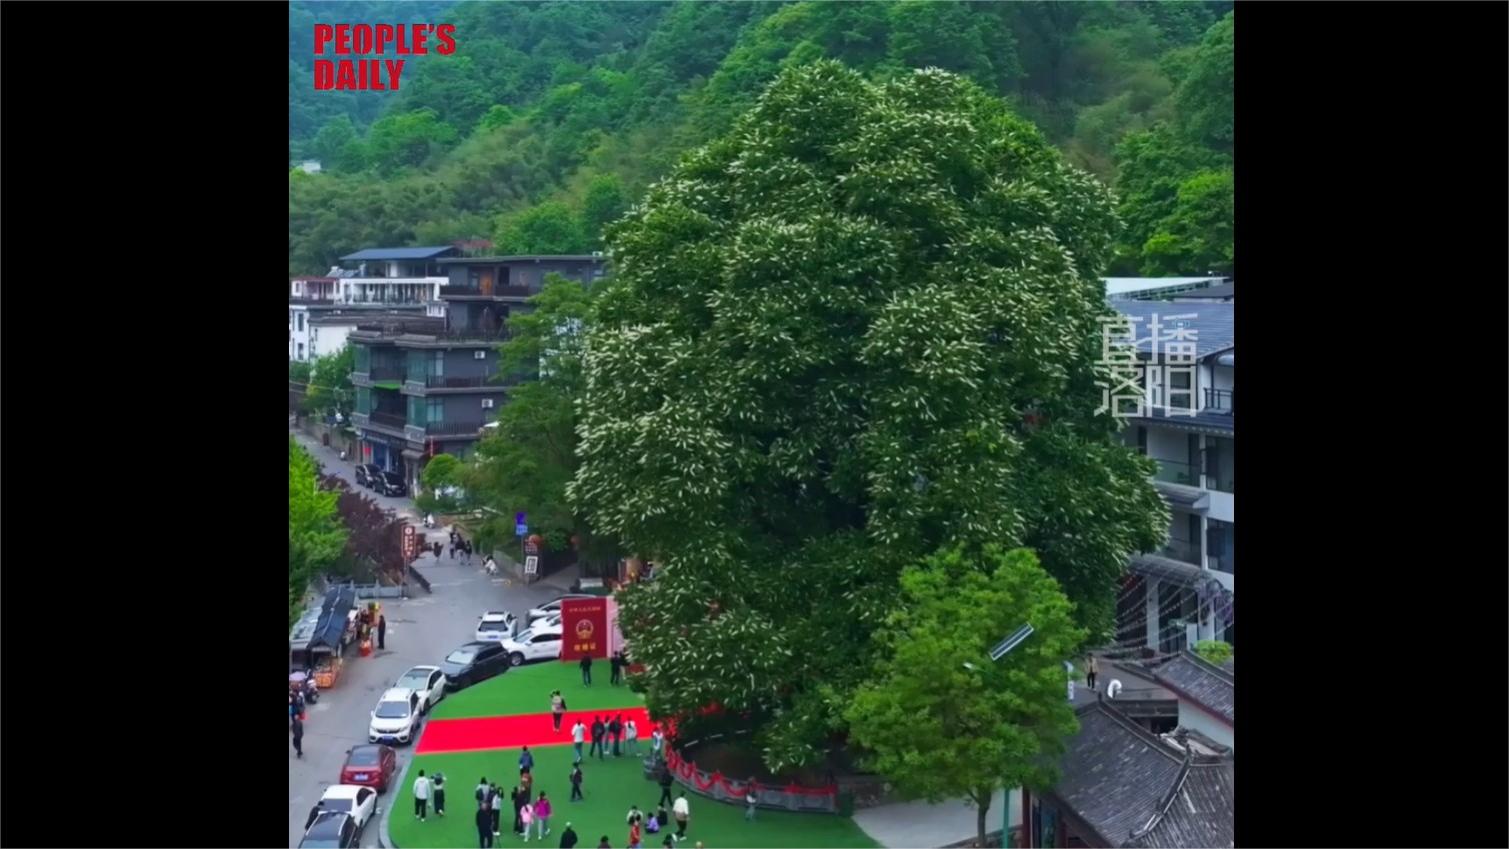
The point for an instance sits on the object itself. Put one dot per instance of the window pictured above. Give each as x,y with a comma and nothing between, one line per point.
301,350
1220,539
437,363
435,411
301,321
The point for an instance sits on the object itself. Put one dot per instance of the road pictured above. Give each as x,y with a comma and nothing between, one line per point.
421,630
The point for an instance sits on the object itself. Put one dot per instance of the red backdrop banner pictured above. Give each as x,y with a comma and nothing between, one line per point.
584,627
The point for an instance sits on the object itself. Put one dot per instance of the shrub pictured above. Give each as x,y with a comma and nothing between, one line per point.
1214,651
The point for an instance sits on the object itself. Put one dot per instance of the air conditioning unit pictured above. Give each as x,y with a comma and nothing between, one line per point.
479,355
487,403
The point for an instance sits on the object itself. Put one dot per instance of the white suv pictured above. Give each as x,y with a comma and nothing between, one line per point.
495,626
542,642
396,718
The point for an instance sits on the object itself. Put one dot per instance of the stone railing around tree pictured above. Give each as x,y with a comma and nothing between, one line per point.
715,786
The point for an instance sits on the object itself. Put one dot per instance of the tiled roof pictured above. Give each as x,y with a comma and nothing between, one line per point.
397,253
1135,789
1202,682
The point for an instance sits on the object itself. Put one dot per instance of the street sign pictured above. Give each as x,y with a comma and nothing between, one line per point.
519,518
520,529
410,542
531,565
531,547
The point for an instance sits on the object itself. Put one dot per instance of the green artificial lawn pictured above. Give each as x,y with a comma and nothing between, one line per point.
610,787
526,689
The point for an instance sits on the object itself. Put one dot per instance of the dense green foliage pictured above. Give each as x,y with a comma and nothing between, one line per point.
316,537
938,698
1215,651
861,326
542,101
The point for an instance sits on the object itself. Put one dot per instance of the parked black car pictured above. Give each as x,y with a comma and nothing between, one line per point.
366,474
390,483
472,663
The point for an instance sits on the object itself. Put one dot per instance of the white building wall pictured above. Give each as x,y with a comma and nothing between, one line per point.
1198,719
328,339
296,336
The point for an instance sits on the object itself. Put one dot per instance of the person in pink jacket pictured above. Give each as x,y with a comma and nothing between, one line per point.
526,816
541,816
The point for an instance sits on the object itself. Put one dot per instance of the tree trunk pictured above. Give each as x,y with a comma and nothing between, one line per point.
982,806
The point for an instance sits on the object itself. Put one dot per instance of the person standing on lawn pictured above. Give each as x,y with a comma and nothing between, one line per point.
484,827
616,729
568,837
615,677
576,781
666,780
631,736
578,736
683,811
482,788
634,835
586,665
518,809
599,731
439,788
751,798
557,709
526,761
542,815
526,816
421,796
657,740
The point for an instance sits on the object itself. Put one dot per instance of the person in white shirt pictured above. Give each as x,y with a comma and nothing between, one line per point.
656,741
421,796
578,737
682,811
631,736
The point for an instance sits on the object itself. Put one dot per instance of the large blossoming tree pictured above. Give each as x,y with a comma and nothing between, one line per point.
862,326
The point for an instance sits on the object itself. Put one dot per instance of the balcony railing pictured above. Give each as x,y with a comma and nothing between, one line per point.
441,381
452,428
1171,471
495,292
389,419
1220,400
385,372
498,334
1182,550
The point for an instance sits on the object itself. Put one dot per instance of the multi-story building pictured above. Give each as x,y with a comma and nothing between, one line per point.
427,386
1158,288
397,277
1185,591
318,321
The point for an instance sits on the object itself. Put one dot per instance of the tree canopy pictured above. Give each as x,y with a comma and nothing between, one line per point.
315,536
942,719
860,326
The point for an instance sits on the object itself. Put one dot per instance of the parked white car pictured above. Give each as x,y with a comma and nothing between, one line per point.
542,643
553,607
426,681
396,717
360,803
495,626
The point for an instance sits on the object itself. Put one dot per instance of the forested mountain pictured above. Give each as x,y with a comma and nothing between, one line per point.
551,117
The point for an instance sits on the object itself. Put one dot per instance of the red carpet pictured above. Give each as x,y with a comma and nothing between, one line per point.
511,732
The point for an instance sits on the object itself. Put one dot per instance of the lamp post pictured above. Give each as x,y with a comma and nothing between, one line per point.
1000,650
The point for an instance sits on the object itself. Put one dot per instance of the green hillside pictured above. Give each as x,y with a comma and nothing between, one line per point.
552,117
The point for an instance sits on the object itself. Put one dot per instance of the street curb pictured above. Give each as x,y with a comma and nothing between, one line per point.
384,839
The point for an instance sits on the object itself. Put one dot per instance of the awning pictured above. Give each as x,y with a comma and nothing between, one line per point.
1166,569
1226,359
1179,495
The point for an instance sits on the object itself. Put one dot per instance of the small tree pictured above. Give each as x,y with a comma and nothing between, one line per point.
940,719
330,387
1214,651
315,539
374,542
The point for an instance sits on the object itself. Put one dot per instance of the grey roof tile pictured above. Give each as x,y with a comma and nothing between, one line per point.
1202,682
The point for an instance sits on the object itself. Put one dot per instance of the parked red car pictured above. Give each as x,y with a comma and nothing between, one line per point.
370,766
